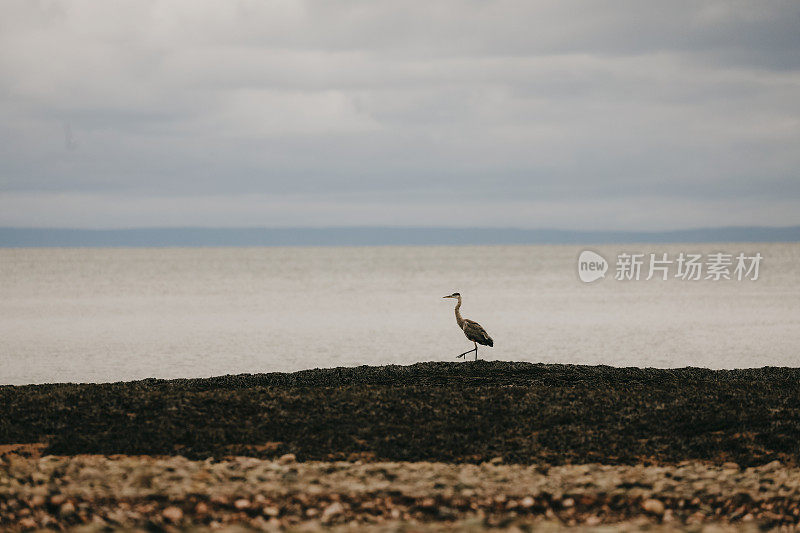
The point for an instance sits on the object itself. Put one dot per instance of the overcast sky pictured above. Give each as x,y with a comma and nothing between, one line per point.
576,115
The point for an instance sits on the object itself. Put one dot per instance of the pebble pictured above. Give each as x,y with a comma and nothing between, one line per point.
332,511
287,458
428,503
172,514
27,523
66,509
653,506
527,502
241,504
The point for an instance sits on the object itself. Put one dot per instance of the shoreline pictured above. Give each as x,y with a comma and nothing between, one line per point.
427,447
508,371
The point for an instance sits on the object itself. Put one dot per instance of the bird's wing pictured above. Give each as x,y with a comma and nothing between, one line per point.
476,333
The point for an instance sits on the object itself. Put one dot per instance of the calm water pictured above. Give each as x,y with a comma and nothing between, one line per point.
120,314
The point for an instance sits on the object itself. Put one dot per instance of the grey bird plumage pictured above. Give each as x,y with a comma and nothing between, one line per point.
471,329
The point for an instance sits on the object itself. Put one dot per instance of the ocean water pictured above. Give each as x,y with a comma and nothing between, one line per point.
110,314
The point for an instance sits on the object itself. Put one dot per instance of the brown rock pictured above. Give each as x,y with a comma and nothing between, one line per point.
593,521
527,502
172,514
66,509
653,506
241,504
428,503
259,524
287,458
27,523
219,499
332,511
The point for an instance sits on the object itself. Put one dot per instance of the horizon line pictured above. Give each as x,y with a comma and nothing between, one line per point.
398,226
194,236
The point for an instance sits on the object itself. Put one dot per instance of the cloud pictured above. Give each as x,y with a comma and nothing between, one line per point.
538,107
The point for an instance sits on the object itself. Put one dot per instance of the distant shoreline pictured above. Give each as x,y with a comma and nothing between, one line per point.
11,237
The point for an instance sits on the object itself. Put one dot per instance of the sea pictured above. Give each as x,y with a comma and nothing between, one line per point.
118,314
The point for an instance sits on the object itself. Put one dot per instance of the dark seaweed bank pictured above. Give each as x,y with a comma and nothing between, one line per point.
450,412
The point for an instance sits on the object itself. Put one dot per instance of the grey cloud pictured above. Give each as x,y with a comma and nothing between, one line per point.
445,104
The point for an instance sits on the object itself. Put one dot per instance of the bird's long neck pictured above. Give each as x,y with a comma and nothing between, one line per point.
459,320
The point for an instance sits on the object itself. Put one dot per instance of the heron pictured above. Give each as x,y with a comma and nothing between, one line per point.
471,329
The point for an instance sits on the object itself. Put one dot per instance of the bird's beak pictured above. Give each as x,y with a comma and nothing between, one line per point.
446,296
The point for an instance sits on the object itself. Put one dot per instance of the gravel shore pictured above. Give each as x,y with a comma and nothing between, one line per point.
175,492
426,447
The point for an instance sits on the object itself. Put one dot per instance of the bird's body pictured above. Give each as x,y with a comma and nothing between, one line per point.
471,329
476,333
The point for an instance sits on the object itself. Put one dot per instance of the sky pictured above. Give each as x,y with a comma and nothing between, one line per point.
621,115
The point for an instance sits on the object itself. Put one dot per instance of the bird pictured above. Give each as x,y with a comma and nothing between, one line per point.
471,329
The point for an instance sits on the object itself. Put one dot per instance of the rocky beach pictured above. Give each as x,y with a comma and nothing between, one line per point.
154,493
430,446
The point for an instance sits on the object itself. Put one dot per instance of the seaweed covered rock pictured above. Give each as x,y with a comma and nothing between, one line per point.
454,412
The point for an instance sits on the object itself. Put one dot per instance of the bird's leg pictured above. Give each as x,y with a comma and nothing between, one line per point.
475,349
465,353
